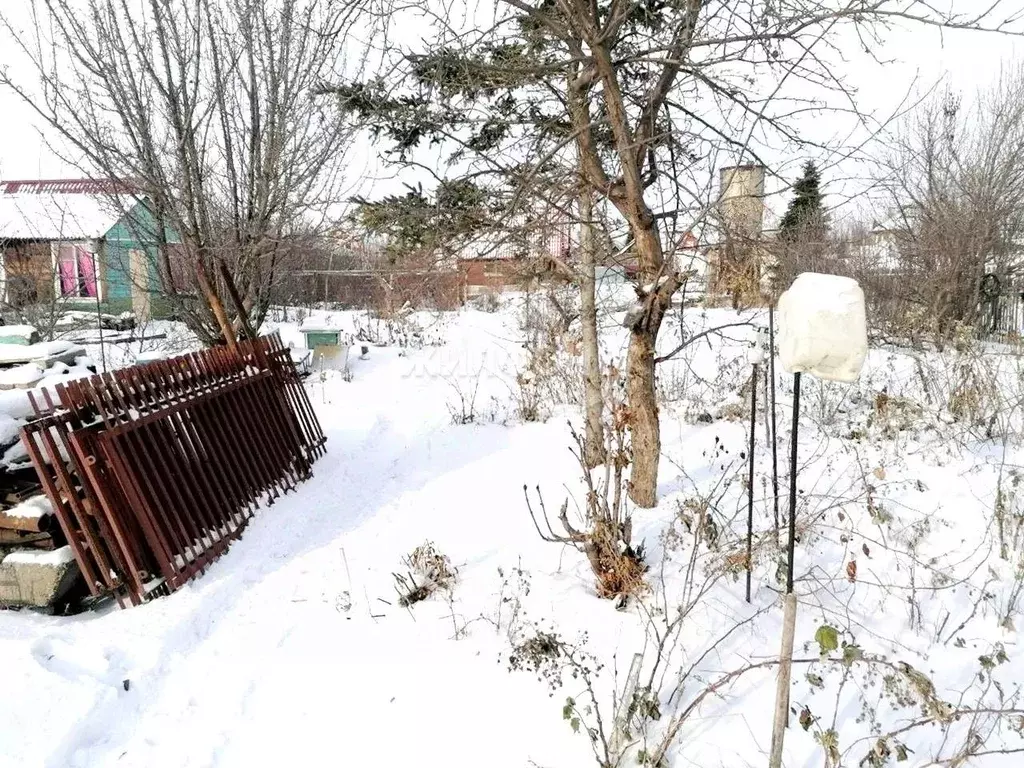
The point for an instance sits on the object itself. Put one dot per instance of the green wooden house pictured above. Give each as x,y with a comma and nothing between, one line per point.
83,242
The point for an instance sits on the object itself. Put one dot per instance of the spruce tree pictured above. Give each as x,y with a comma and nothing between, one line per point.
805,216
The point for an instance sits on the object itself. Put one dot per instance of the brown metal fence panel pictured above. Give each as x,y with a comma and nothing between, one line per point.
153,470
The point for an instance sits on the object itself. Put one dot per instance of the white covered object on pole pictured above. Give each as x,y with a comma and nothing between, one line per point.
823,327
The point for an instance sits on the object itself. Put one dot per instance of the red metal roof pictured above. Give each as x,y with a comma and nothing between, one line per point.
68,187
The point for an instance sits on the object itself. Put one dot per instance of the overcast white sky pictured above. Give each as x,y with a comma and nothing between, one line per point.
966,60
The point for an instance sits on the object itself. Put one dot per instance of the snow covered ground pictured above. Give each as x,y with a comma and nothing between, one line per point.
293,649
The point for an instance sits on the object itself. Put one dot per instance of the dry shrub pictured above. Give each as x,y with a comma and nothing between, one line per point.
510,614
892,415
618,564
1009,530
605,536
553,373
1009,510
399,328
825,401
733,411
528,395
427,571
702,395
736,279
462,407
552,659
974,396
979,388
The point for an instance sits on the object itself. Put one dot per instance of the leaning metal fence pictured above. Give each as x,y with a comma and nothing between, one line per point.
153,470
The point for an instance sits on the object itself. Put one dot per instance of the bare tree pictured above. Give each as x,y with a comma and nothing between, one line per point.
954,178
209,109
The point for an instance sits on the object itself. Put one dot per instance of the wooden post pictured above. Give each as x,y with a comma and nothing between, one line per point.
789,618
621,717
785,676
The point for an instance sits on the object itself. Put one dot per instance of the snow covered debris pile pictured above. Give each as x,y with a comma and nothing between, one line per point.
27,522
18,334
21,376
190,447
33,514
26,519
33,381
43,352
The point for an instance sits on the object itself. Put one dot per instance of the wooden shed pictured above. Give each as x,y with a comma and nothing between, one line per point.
79,241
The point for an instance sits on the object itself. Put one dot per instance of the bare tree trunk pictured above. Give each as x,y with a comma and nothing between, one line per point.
216,305
240,308
645,433
645,429
594,453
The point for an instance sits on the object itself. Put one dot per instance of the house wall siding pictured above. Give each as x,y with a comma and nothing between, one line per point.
136,231
117,268
29,273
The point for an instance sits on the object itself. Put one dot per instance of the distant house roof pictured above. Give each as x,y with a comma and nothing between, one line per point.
69,186
71,209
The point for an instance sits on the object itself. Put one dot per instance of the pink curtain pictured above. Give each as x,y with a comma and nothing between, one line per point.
66,266
86,273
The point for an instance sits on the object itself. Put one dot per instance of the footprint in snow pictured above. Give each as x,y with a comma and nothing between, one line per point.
79,661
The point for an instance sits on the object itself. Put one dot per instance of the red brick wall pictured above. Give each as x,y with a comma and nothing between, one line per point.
493,274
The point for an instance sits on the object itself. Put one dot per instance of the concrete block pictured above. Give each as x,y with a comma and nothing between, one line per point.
36,579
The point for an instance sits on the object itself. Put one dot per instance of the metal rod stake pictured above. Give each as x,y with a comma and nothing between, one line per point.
794,441
774,424
750,476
